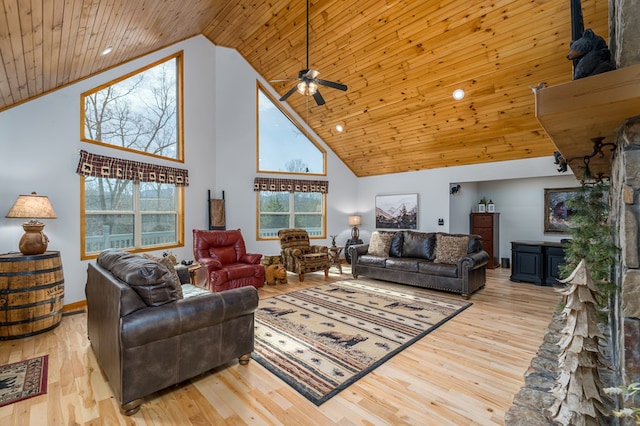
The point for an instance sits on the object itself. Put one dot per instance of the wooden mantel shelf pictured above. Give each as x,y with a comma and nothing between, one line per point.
574,113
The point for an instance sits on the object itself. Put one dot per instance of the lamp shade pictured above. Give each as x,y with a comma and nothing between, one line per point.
32,206
355,220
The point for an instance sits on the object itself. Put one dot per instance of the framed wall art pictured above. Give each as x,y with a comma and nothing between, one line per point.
397,211
557,215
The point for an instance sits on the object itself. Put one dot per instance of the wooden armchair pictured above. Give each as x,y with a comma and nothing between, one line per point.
299,256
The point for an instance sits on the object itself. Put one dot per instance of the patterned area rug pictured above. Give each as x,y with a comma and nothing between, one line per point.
22,380
322,339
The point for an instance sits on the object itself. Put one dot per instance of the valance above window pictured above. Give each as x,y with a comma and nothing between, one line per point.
290,185
117,168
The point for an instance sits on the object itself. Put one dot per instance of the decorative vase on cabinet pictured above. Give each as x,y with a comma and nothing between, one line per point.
487,225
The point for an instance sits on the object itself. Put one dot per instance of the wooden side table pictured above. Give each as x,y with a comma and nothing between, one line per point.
334,256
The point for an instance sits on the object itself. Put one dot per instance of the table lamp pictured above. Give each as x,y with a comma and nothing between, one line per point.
355,221
33,207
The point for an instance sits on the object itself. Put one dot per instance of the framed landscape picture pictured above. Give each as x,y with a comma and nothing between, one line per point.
397,211
557,215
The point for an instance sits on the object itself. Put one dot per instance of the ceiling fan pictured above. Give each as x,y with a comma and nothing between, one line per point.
308,79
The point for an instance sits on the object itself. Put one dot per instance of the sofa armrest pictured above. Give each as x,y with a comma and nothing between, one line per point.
251,258
210,263
186,315
474,260
357,250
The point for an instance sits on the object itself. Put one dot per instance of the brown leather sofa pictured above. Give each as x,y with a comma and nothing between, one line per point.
145,338
449,262
225,256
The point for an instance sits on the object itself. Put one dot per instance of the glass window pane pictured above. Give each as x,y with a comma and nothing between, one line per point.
274,201
103,194
157,197
307,202
140,112
158,229
282,146
103,231
312,223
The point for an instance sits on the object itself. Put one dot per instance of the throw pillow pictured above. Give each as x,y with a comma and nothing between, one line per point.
152,281
419,245
168,263
380,243
395,250
449,249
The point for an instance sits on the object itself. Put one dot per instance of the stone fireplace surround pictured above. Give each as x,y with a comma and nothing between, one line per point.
623,349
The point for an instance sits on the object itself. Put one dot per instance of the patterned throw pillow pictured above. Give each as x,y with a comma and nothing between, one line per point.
380,244
167,263
449,248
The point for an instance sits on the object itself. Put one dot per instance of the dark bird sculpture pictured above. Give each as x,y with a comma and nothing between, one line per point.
592,54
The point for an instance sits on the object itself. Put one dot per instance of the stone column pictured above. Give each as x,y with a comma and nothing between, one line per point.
625,187
624,33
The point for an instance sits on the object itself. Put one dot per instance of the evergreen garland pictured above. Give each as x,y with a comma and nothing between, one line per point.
591,238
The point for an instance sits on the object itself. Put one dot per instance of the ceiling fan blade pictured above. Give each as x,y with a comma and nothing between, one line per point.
332,84
318,97
283,79
289,93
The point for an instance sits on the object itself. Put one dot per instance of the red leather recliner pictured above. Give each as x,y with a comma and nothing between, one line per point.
228,264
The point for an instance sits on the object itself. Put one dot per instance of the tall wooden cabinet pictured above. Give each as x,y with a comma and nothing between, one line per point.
487,225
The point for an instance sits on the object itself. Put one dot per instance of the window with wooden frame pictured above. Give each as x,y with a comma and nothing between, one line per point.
284,146
139,112
290,203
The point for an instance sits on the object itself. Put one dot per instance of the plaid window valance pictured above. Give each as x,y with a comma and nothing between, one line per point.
290,185
117,168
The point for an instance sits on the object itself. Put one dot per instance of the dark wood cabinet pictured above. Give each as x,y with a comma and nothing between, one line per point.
487,225
536,262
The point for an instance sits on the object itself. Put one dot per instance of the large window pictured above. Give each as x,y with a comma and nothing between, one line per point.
139,112
290,203
124,214
283,145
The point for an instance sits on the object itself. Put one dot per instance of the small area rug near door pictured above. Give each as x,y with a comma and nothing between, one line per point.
22,380
322,339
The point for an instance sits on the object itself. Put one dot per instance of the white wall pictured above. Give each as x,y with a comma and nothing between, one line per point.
520,203
516,187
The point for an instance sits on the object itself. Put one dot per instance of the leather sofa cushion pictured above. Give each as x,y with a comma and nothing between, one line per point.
168,263
419,244
367,259
438,269
450,248
403,264
395,250
380,243
152,281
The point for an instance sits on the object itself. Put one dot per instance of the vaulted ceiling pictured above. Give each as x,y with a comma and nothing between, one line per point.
401,59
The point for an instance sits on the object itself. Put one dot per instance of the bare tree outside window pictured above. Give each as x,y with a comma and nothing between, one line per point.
139,112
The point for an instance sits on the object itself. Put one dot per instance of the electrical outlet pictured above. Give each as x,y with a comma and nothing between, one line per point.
441,222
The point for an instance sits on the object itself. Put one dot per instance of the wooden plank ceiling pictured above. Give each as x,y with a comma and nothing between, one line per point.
401,60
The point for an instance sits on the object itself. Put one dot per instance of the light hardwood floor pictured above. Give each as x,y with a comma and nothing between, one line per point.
464,373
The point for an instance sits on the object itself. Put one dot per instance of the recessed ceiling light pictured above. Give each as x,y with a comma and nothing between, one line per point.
106,51
458,94
339,128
